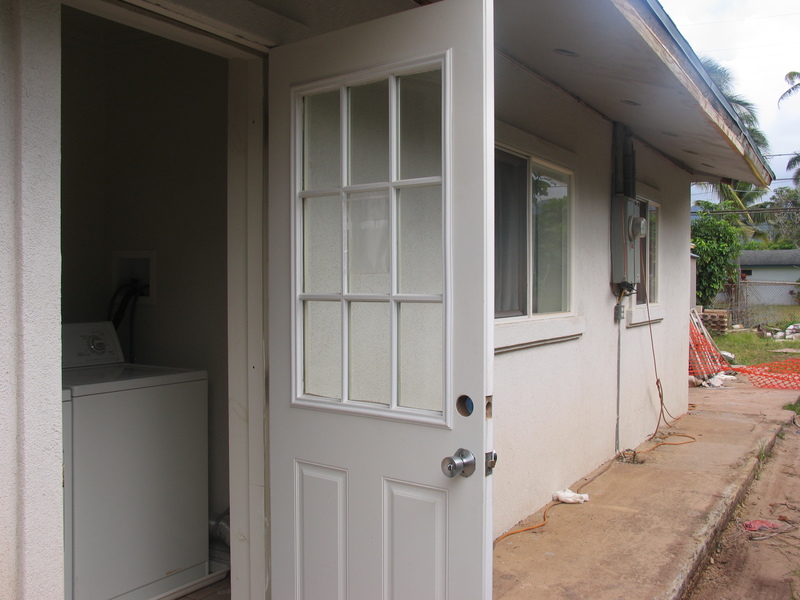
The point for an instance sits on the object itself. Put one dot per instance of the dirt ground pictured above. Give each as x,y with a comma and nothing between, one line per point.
761,565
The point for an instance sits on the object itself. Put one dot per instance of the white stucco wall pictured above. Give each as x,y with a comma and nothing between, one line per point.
31,554
555,405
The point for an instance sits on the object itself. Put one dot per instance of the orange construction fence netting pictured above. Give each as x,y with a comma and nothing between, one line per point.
704,358
782,375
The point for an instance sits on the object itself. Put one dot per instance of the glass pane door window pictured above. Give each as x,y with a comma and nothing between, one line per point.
370,243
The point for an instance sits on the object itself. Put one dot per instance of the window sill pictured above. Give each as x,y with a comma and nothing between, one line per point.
529,332
637,316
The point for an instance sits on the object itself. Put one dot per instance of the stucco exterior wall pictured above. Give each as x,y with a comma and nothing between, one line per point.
555,404
31,553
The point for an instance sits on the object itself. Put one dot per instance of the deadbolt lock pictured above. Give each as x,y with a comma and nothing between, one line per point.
461,463
491,462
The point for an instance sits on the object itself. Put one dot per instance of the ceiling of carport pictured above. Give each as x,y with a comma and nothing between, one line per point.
625,59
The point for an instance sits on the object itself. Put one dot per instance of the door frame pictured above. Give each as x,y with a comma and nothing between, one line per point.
247,364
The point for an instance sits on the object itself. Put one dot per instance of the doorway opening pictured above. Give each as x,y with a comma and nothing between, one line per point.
144,208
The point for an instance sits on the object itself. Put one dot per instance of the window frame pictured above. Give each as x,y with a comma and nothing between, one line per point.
646,251
638,315
342,403
533,159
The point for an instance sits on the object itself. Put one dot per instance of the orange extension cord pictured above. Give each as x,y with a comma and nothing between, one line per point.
627,454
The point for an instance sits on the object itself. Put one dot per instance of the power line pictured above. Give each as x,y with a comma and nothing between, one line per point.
792,209
748,57
740,20
792,44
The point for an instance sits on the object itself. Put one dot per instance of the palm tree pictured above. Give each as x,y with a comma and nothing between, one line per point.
794,163
745,110
793,79
739,195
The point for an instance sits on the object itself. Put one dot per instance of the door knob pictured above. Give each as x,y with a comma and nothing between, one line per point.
462,463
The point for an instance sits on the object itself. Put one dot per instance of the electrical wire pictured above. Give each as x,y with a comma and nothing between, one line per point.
662,406
749,18
542,524
630,455
624,455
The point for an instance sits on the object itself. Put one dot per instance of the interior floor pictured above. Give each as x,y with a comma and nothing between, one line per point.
221,590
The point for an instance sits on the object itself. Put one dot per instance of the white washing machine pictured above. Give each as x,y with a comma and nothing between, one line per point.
135,471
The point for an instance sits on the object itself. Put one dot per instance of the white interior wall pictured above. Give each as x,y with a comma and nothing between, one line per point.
555,404
31,555
145,170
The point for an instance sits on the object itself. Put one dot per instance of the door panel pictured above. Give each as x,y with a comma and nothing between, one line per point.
379,315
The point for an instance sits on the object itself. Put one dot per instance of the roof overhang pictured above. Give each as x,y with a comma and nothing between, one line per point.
627,60
623,58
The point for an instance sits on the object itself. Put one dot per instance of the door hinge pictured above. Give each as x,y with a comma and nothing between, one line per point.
491,461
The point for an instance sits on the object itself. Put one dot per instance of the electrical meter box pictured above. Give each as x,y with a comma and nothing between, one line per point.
627,228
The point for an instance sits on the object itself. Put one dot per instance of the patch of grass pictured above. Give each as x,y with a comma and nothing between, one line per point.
751,349
762,455
794,406
762,451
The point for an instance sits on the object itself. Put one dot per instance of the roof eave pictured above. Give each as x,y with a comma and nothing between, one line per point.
658,30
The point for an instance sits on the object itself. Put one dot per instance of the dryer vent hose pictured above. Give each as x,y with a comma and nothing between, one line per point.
219,529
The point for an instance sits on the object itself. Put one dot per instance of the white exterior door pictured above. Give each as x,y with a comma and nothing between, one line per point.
380,311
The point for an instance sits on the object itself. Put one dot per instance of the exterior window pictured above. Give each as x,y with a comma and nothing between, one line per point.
532,206
647,289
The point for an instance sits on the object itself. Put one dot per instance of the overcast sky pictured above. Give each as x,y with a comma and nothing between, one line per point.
759,41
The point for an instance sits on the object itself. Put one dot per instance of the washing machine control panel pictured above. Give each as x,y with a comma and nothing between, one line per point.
89,344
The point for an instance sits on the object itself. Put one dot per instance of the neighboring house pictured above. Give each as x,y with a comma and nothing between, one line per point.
770,265
408,236
779,266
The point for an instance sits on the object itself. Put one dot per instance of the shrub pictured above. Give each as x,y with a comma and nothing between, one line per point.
716,243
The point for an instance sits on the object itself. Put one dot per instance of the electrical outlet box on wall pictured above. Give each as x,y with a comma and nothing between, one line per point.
625,235
140,265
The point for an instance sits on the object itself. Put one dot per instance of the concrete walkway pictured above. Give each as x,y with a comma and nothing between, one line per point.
648,527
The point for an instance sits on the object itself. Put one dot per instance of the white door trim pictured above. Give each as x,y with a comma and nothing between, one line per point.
233,29
246,305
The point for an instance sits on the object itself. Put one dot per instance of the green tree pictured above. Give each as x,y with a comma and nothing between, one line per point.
787,222
735,194
794,164
793,79
745,109
716,243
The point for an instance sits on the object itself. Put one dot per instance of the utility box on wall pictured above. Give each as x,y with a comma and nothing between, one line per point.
627,228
